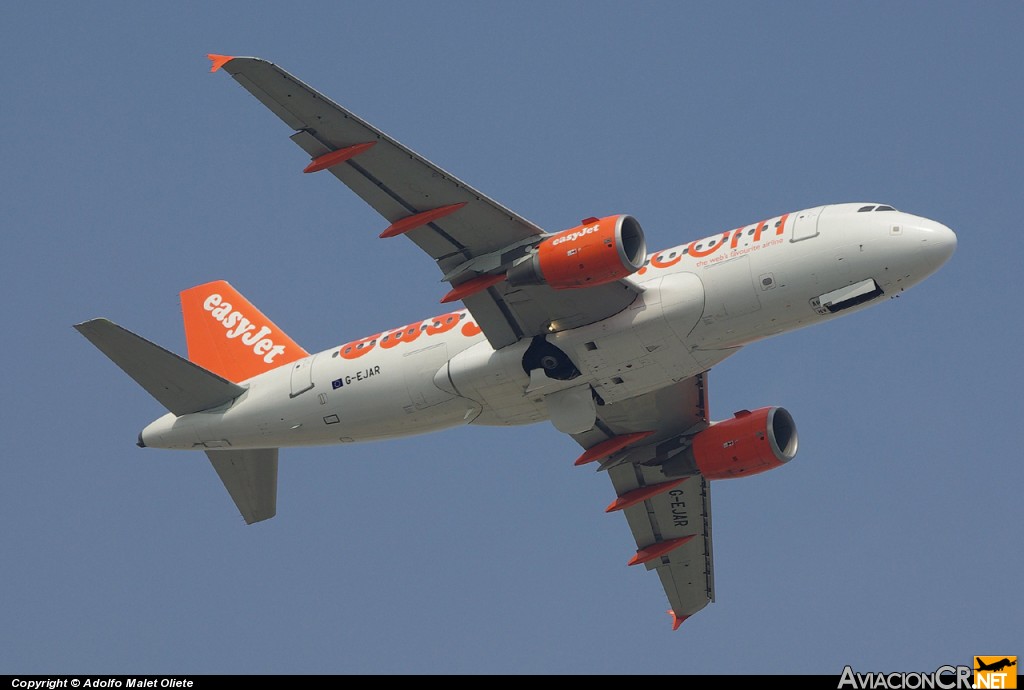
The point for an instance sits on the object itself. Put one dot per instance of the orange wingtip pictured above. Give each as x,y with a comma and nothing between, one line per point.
676,620
218,61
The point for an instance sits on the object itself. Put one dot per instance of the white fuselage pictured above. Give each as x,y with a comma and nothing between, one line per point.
699,303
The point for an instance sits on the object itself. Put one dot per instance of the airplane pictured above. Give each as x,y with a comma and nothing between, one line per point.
582,327
995,666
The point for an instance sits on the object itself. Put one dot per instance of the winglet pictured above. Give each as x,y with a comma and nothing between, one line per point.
676,620
218,61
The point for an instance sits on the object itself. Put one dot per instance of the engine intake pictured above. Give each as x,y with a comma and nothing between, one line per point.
598,251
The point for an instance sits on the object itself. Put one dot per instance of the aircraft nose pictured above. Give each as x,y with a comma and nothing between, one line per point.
938,242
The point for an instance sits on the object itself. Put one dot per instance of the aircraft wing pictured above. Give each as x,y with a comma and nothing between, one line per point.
463,230
672,523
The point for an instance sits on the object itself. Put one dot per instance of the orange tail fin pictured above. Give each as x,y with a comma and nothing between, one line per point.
229,336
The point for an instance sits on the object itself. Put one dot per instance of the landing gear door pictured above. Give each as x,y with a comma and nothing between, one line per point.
805,224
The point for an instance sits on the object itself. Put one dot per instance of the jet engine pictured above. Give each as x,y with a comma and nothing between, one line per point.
749,443
598,251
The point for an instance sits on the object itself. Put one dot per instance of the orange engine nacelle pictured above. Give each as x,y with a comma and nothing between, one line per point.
598,251
749,443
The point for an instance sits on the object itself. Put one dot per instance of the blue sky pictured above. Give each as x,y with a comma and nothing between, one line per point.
892,542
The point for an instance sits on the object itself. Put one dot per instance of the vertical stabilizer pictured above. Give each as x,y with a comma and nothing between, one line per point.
229,336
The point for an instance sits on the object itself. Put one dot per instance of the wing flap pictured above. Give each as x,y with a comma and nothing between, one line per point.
177,384
250,476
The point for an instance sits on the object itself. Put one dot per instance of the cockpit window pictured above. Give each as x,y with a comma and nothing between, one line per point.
885,208
864,209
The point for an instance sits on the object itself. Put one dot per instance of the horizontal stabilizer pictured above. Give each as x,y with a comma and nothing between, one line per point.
250,476
177,384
